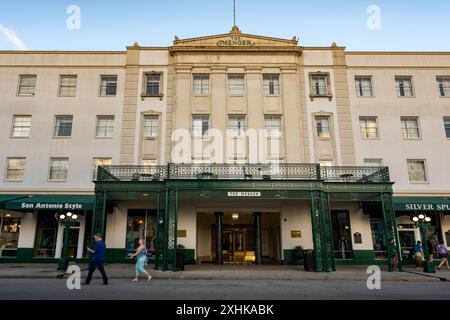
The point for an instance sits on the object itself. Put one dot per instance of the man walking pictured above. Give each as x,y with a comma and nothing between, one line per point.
97,259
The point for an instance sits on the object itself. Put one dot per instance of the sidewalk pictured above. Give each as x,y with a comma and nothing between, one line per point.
228,272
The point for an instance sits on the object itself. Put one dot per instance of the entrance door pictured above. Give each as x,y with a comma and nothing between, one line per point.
342,233
72,248
407,240
238,244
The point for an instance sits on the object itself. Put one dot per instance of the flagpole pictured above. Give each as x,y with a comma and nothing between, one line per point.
234,12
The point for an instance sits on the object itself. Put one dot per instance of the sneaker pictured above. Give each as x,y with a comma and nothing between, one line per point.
149,278
135,280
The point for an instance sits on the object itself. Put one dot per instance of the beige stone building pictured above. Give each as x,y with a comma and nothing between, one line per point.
240,148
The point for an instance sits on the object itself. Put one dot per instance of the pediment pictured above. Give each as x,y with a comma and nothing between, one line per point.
235,39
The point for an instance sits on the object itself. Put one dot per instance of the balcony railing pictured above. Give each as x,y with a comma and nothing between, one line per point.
306,172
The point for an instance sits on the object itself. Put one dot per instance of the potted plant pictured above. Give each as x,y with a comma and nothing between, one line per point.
298,254
181,256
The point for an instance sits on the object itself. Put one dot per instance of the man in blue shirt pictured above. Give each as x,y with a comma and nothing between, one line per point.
97,259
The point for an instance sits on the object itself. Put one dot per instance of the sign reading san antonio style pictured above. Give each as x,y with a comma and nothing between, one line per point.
244,194
235,41
51,206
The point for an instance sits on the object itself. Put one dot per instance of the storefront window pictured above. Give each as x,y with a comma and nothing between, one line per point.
9,234
141,224
46,233
342,233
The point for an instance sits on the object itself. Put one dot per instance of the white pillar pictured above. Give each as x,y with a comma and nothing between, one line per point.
27,233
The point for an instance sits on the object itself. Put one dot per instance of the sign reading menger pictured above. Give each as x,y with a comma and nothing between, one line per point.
235,41
244,194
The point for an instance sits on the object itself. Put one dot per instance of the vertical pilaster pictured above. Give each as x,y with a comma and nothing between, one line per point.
219,220
390,228
316,209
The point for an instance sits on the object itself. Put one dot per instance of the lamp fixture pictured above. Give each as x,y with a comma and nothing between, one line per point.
235,216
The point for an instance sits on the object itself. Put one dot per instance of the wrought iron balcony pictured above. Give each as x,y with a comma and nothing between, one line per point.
306,172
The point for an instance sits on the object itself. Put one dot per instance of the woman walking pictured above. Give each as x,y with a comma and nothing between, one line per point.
418,255
443,255
141,255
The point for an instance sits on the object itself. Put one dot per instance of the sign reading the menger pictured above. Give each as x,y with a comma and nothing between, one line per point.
244,194
235,41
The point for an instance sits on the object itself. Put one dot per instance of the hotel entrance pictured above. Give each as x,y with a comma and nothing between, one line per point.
238,244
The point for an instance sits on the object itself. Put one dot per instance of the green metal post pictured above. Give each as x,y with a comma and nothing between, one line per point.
64,259
390,230
175,240
397,240
324,239
315,212
157,233
166,233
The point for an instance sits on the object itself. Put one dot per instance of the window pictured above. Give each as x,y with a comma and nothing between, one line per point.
59,168
447,126
373,162
108,86
319,85
273,126
200,84
271,84
149,163
27,85
151,126
63,126
364,87
323,126
410,128
236,84
368,127
236,124
444,86
100,162
105,127
417,171
21,127
153,84
141,224
10,225
404,86
67,86
200,126
46,235
15,169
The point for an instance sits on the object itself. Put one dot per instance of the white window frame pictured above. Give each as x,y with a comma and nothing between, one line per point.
426,181
406,129
443,83
201,84
50,167
7,169
401,80
241,121
60,85
55,126
154,130
367,128
13,127
313,86
235,88
370,162
105,130
360,87
271,84
146,90
103,90
33,86
201,118
447,126
324,116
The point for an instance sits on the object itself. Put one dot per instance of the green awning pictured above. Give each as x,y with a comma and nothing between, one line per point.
51,202
4,198
422,204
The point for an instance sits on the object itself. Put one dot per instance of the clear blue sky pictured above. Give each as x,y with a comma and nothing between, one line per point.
406,25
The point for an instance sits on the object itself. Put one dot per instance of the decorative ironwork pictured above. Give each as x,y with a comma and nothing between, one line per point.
266,172
390,226
316,213
99,213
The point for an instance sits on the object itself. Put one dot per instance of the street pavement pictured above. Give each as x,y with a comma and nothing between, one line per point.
164,289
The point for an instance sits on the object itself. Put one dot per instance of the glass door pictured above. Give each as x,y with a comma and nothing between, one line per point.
72,248
407,240
343,248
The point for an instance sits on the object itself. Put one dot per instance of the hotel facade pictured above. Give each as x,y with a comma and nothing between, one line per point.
239,148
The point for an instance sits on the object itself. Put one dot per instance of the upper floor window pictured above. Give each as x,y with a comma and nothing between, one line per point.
323,127
273,126
105,127
59,169
67,86
151,126
444,86
153,84
108,86
404,86
236,84
63,126
373,162
410,128
200,126
27,85
447,126
326,163
15,169
236,124
319,85
271,84
200,84
364,86
368,127
417,171
21,127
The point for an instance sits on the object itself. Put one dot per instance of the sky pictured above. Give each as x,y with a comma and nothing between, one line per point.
392,25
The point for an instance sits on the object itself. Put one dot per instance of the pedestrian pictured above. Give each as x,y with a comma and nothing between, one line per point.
431,244
443,255
141,256
97,259
418,255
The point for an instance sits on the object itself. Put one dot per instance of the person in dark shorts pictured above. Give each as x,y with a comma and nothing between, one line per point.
443,255
97,259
